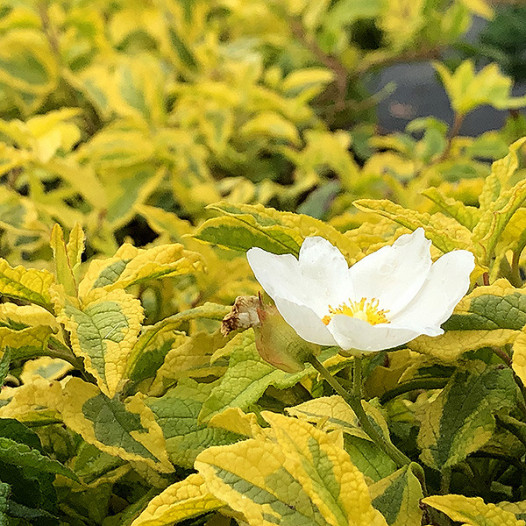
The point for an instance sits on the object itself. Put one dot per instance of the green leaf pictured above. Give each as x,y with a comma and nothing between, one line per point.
5,362
5,491
177,412
294,475
398,496
472,511
152,346
242,234
21,455
246,378
460,420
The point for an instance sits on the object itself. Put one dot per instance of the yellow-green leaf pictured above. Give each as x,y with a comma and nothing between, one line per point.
296,475
124,429
445,233
182,500
27,342
272,230
472,511
130,266
30,285
103,332
177,413
332,413
498,202
156,340
398,496
246,378
460,420
489,316
272,125
27,62
188,358
467,216
467,89
63,265
519,356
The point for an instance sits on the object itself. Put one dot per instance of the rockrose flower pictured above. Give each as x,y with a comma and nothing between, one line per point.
385,300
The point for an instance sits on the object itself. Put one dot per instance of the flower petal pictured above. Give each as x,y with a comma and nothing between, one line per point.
447,283
318,279
305,322
322,263
393,274
353,333
277,274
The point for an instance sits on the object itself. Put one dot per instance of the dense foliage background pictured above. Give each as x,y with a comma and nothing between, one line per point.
145,146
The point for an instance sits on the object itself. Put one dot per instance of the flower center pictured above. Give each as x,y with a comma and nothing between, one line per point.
366,310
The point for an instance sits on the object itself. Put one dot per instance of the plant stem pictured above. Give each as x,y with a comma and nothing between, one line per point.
516,279
356,405
503,355
357,377
67,356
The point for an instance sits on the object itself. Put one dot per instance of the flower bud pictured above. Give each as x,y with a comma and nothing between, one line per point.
276,341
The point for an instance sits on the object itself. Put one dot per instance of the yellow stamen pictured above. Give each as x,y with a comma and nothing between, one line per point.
364,309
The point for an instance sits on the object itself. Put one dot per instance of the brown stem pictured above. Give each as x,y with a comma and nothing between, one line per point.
329,61
408,56
453,132
503,355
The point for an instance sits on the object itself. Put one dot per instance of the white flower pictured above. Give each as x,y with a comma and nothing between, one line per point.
385,300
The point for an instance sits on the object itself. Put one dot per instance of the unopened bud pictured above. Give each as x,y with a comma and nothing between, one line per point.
276,341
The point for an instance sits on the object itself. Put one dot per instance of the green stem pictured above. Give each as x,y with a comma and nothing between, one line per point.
516,279
67,356
414,385
445,481
356,405
357,377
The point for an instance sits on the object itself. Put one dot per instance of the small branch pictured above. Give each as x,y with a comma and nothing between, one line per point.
357,377
453,132
329,61
503,355
383,61
356,405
